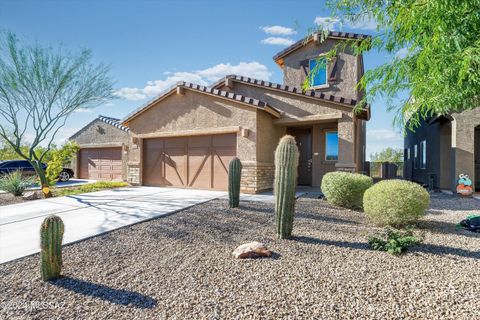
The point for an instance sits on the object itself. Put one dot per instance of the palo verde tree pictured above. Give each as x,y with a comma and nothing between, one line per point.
40,87
436,54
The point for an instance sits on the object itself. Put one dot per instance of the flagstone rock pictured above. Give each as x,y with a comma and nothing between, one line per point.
251,250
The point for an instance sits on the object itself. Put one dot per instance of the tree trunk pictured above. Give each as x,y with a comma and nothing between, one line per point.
43,179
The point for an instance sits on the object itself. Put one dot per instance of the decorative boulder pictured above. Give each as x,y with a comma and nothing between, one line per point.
251,250
31,195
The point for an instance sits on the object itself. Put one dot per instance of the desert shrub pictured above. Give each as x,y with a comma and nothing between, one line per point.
58,159
394,241
395,202
345,189
15,183
91,187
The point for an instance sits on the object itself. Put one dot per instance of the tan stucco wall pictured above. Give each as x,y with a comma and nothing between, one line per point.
296,106
463,142
350,150
268,136
195,111
347,68
98,134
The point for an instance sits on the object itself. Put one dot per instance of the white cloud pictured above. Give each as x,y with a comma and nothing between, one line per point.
83,110
329,23
202,77
335,23
278,41
278,30
382,138
402,53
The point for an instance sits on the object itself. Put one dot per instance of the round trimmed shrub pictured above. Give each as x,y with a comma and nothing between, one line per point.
395,202
345,189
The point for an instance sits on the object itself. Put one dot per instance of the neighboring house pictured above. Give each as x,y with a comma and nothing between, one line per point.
187,136
103,144
442,148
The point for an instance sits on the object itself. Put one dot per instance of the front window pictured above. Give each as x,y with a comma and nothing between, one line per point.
318,72
423,154
331,145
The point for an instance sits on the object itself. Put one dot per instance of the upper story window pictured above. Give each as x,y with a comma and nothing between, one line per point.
423,154
318,72
331,145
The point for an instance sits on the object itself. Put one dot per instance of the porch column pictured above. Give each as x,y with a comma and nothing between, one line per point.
346,144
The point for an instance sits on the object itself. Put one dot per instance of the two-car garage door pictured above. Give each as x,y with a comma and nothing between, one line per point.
190,162
100,163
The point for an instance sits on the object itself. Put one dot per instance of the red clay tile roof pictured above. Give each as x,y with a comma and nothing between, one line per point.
206,90
331,34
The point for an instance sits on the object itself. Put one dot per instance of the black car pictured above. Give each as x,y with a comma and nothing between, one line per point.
27,169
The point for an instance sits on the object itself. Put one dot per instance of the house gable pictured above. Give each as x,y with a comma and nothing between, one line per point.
102,131
342,72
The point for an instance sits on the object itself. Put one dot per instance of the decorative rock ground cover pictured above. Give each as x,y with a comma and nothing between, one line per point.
181,267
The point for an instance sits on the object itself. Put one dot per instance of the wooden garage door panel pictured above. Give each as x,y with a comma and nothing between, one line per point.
221,160
196,162
100,163
153,162
175,167
200,168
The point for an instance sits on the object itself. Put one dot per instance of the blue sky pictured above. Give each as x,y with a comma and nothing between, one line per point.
150,45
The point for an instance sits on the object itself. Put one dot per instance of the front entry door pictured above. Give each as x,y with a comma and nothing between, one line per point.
303,137
477,159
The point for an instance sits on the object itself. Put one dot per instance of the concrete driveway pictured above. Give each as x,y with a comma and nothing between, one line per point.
90,214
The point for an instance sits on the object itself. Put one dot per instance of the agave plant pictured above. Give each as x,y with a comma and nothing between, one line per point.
15,183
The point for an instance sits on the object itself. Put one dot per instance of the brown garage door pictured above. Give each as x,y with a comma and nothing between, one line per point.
189,162
100,163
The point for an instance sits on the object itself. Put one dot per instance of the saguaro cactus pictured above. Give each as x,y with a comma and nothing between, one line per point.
286,166
234,175
51,235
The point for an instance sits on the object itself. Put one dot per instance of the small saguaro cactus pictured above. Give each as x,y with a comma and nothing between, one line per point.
234,175
51,236
286,166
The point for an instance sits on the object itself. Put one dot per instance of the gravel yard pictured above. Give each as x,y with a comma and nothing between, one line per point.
180,267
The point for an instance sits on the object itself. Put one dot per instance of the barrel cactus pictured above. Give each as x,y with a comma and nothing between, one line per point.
234,175
51,235
286,166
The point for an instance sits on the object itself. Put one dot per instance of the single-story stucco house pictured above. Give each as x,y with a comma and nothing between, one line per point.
442,148
186,136
102,143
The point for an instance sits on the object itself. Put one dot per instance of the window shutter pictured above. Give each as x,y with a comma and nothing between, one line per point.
332,70
304,64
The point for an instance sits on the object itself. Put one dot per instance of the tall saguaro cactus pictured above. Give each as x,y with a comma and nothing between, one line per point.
51,235
234,175
286,166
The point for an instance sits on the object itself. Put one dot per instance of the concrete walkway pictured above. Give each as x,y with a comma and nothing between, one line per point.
90,214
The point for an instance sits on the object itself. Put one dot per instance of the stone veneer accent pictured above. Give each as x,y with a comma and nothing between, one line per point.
257,176
133,176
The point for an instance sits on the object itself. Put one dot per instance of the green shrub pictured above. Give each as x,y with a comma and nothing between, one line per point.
394,241
345,189
15,183
395,202
91,187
